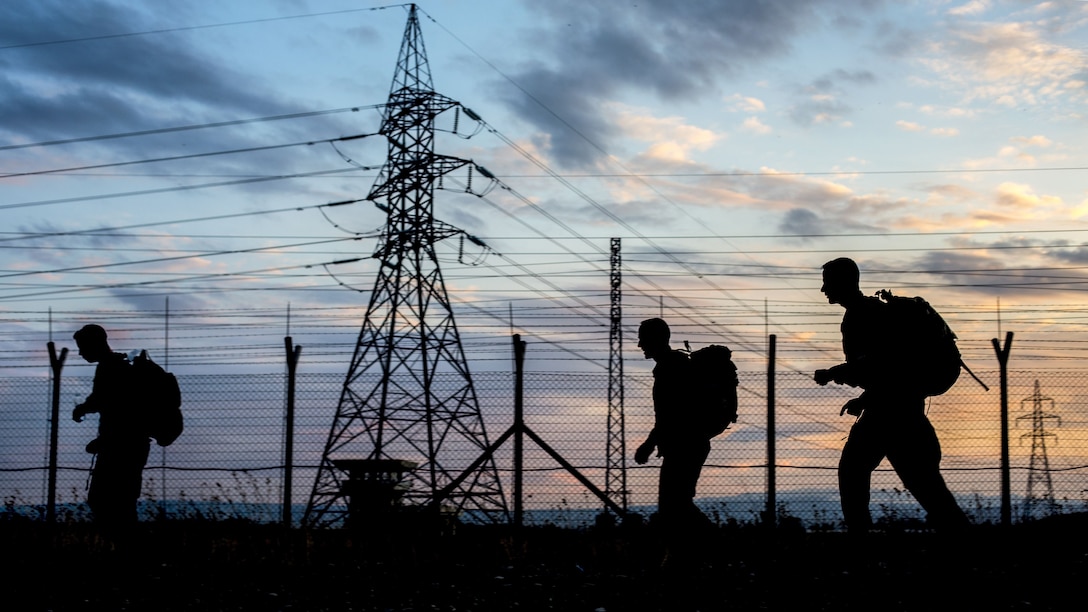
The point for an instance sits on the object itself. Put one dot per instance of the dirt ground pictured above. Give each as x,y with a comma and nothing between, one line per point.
225,566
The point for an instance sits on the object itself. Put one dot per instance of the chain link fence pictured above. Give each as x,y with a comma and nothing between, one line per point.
230,461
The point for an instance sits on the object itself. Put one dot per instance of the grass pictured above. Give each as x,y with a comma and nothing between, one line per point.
233,564
216,554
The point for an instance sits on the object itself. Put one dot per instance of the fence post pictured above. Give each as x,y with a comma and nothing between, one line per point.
55,364
770,514
289,429
519,435
1006,489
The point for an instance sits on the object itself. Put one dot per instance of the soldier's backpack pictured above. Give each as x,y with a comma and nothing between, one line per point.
715,381
924,345
160,399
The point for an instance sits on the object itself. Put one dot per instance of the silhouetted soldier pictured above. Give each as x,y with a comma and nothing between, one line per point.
891,410
122,445
680,443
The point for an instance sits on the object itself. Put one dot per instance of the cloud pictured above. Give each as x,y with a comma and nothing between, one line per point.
53,246
64,87
951,206
806,206
672,140
985,267
784,188
819,109
1033,141
912,126
591,52
807,223
148,301
1015,152
123,83
947,111
949,192
1022,198
827,208
801,222
893,39
974,7
830,81
1008,64
745,104
1077,255
972,271
821,101
754,125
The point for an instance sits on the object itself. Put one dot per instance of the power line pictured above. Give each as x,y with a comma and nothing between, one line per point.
117,228
189,28
161,190
182,128
835,235
840,173
172,258
189,156
172,280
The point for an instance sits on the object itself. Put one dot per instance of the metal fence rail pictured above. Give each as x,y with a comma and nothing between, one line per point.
230,460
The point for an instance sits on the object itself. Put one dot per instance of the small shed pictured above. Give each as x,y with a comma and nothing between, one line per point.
374,488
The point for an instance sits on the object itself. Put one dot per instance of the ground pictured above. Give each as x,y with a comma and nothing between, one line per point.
241,566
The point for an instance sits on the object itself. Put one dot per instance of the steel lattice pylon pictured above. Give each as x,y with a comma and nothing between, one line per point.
408,394
616,460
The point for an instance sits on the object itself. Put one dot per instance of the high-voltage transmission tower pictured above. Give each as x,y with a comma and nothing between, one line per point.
616,462
408,402
1040,487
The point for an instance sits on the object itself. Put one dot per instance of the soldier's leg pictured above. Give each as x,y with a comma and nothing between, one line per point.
669,501
696,519
116,485
684,524
861,454
916,456
134,485
105,490
675,488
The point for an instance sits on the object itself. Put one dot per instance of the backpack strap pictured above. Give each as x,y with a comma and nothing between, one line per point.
977,379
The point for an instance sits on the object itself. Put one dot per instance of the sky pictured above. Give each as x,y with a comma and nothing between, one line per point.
194,175
167,170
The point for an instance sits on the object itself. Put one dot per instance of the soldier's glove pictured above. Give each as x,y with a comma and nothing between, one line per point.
92,446
854,407
838,374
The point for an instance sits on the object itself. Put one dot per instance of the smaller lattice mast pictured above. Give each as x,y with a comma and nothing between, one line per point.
1040,487
616,446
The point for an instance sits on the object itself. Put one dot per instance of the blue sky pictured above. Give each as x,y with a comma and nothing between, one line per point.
733,146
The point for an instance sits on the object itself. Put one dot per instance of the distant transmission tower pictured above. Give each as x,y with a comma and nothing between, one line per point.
616,461
1040,488
408,409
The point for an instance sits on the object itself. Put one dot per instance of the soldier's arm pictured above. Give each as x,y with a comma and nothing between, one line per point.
109,385
642,454
91,404
843,374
